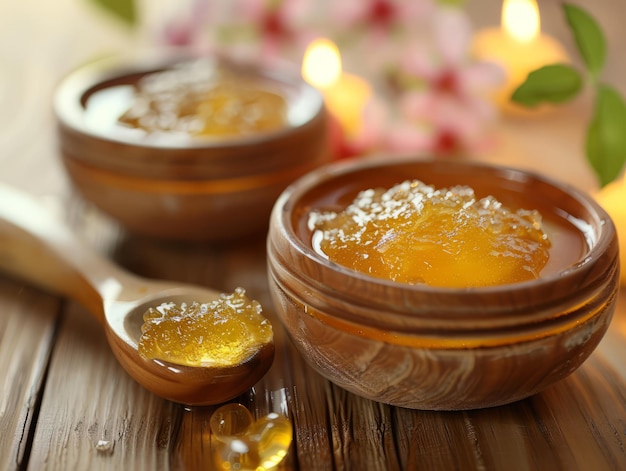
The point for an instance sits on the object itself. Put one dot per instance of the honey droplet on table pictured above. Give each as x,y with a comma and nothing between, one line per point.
413,233
229,421
245,444
224,332
273,434
105,446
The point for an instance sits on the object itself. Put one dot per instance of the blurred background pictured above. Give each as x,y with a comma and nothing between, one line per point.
42,41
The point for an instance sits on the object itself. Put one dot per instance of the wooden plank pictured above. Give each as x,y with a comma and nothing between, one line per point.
27,331
362,434
93,415
578,421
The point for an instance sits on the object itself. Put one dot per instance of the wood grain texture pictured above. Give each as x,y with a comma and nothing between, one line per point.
93,415
28,324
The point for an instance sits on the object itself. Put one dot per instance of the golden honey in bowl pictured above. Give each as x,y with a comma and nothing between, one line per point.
189,100
204,101
224,332
414,233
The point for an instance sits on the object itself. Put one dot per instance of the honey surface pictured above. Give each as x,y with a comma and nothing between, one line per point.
204,102
221,333
414,233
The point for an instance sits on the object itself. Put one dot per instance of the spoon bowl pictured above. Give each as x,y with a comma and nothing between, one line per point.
38,247
184,384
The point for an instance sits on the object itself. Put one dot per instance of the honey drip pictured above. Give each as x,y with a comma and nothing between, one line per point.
224,332
416,234
203,101
245,444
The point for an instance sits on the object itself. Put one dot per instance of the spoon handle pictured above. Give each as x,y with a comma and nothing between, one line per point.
40,248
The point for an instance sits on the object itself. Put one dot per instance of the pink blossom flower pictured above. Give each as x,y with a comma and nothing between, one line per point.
186,26
379,16
263,30
278,28
448,105
376,29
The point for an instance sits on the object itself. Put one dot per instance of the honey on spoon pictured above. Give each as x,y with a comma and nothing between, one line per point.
39,248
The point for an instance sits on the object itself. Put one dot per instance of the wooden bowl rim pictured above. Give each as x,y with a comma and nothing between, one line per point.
604,243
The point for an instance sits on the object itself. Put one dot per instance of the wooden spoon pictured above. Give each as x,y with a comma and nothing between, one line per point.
40,248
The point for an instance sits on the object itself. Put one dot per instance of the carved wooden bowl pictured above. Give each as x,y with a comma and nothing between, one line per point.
430,348
176,188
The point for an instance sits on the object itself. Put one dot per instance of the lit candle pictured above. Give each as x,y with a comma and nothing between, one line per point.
613,199
518,46
345,95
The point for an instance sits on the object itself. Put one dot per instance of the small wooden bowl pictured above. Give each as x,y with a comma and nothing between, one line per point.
431,348
189,189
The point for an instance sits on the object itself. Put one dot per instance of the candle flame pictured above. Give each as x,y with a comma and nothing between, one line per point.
321,66
520,19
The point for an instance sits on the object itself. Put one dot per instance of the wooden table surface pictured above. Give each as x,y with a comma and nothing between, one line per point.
62,392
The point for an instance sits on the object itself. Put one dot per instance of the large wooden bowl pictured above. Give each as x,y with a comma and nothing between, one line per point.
188,189
441,348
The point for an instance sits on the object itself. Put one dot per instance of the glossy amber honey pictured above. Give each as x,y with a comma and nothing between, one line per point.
225,332
242,443
440,348
418,234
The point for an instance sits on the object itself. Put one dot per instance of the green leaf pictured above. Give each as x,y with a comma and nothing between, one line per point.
555,83
606,136
588,36
123,9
